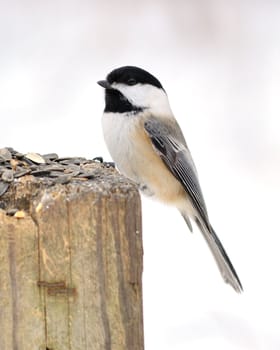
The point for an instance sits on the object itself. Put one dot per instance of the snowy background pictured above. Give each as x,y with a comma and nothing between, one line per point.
219,62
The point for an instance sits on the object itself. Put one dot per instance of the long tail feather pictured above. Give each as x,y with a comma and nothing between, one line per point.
224,264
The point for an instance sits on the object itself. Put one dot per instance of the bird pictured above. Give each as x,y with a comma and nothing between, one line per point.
148,146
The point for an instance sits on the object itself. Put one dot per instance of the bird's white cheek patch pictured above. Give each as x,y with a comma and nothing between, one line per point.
146,96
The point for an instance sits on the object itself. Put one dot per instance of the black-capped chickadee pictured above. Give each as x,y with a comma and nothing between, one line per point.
148,146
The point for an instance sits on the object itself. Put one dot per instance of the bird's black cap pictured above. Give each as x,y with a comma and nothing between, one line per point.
131,75
114,100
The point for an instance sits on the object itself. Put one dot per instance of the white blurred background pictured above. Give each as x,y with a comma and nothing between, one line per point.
219,62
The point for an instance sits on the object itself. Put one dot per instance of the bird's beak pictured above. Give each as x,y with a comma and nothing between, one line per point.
104,84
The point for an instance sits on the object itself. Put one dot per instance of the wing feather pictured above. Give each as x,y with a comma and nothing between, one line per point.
177,158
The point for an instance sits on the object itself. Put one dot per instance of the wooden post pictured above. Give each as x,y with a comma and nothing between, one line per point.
71,265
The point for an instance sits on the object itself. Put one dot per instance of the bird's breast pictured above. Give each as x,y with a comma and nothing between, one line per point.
132,151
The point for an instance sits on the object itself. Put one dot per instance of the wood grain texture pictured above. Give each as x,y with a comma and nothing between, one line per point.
21,318
71,269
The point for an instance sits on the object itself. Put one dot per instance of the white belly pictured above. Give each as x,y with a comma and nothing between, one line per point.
133,153
118,130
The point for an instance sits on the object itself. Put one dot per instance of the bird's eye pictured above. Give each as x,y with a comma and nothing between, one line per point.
131,81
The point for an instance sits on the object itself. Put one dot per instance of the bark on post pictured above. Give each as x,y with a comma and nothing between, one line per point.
71,265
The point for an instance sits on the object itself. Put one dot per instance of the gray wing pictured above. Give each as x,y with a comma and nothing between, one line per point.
177,158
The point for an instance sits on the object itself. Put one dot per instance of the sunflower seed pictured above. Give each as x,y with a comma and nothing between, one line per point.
27,161
72,167
54,167
11,212
22,172
98,159
8,176
88,175
42,172
5,155
55,174
63,179
50,156
76,161
35,158
19,155
49,168
72,173
60,159
3,187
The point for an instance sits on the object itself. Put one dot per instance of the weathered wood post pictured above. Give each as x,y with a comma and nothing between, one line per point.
70,257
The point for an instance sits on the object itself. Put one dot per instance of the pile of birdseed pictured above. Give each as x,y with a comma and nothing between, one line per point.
14,165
